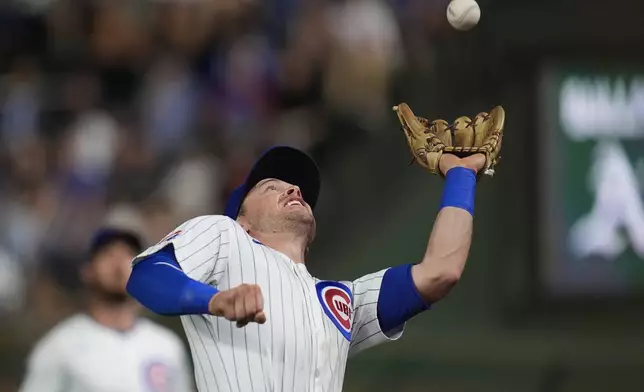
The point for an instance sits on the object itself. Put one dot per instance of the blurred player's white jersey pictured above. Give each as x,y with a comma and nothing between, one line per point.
80,355
312,325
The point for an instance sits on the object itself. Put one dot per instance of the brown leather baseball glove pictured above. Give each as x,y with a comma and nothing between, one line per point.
428,141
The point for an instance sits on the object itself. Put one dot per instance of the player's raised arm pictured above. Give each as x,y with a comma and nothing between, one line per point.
384,301
437,147
449,242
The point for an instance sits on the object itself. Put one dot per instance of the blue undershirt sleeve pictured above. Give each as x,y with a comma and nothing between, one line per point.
399,299
160,285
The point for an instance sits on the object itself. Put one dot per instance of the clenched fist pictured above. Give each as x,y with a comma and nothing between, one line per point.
243,304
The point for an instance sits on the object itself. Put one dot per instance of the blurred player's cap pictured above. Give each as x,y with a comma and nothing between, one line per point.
283,163
107,236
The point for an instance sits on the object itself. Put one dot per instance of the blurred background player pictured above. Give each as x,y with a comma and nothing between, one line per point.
108,348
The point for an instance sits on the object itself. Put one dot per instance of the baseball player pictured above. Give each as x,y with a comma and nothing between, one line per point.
255,318
108,348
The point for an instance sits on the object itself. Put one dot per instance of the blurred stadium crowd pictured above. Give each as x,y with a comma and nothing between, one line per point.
146,113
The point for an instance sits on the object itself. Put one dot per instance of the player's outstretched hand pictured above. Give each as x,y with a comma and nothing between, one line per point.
243,304
475,162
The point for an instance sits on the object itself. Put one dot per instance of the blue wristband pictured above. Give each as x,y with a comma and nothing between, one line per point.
460,183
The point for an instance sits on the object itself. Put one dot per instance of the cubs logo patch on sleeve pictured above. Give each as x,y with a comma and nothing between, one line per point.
335,299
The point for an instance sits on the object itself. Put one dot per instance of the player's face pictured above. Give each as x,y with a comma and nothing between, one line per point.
274,206
107,274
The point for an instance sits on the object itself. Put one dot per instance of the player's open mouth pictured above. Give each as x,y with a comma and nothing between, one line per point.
294,201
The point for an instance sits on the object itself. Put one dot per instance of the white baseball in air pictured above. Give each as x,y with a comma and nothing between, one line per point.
463,14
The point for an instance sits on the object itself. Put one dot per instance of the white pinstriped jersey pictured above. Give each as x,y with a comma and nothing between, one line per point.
80,355
312,325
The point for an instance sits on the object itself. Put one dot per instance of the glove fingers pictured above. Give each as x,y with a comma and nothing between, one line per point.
413,128
415,131
463,133
440,128
494,134
481,125
423,121
497,115
493,126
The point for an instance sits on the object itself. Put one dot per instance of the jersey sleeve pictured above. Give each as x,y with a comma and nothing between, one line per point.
45,369
365,330
201,247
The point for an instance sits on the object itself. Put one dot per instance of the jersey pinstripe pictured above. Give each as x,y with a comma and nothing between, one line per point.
312,326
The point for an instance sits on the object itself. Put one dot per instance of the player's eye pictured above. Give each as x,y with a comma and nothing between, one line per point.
271,188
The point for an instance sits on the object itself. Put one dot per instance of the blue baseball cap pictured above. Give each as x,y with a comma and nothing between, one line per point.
107,236
283,163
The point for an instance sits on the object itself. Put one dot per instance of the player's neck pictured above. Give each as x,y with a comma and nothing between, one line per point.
290,244
120,317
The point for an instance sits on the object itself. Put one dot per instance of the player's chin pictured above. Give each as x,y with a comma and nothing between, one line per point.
301,214
114,295
114,288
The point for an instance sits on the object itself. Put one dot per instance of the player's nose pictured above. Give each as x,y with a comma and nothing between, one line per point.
294,190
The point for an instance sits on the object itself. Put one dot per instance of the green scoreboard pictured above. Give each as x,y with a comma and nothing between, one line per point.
591,238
